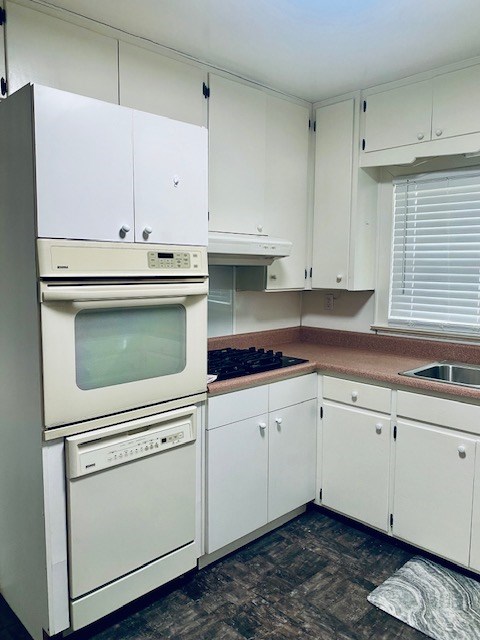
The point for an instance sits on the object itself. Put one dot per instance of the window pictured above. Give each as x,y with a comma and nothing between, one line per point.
435,271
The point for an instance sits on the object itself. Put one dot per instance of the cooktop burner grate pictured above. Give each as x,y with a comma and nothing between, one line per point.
232,363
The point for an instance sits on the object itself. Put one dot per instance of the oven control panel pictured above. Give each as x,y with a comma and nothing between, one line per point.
105,453
177,260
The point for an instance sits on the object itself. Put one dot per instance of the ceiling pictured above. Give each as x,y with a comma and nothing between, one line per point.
312,49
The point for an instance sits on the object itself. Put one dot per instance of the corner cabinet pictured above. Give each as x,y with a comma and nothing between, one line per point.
258,171
345,203
106,172
260,457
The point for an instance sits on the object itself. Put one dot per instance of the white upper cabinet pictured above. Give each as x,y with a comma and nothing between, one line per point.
345,203
151,82
107,172
52,52
84,167
398,116
237,156
286,188
437,116
170,168
456,97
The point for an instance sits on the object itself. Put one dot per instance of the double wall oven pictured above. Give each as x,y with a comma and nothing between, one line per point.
124,367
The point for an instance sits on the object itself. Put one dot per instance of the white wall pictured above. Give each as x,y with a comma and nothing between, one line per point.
353,311
259,311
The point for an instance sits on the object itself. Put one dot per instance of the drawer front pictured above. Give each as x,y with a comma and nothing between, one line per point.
292,391
446,413
357,394
236,406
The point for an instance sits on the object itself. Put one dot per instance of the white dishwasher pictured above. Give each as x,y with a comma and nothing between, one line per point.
131,502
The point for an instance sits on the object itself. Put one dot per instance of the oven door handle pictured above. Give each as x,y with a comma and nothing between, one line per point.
84,293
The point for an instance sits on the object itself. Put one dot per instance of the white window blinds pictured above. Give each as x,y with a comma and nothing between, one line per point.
435,275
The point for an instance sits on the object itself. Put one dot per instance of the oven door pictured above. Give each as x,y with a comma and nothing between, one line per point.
113,347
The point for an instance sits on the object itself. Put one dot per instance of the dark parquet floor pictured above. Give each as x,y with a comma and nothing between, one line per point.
307,580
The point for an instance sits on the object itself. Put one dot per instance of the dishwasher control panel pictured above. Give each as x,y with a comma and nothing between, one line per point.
102,453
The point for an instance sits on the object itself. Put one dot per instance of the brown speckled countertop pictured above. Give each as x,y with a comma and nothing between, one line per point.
373,358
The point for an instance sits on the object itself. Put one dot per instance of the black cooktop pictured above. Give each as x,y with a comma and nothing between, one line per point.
232,363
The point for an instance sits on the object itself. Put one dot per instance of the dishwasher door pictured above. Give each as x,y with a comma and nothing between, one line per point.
131,496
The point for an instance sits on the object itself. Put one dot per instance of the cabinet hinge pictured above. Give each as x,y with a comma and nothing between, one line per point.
321,412
3,86
363,144
320,495
311,271
395,432
309,124
315,125
3,16
206,91
391,519
208,215
364,106
306,272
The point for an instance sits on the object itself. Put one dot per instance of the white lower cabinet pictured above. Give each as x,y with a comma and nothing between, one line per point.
261,467
415,478
291,458
475,537
237,460
356,463
434,475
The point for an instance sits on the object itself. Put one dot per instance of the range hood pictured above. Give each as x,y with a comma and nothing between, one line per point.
244,249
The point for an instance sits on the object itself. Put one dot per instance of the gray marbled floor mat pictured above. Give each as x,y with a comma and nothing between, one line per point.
442,604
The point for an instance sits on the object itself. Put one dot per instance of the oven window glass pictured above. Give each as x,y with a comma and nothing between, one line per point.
115,346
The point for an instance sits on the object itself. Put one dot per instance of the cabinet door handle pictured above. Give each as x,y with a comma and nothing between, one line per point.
262,426
379,427
278,421
438,132
146,232
339,277
354,395
259,228
462,451
420,135
124,229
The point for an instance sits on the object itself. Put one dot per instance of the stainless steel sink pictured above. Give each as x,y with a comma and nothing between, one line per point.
467,375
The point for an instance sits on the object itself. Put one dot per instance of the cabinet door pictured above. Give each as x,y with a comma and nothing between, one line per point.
84,167
151,82
475,537
356,462
455,103
432,505
59,54
398,116
237,460
291,458
237,140
333,194
286,189
170,166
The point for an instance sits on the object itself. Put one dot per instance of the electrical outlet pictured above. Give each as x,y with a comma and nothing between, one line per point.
328,302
